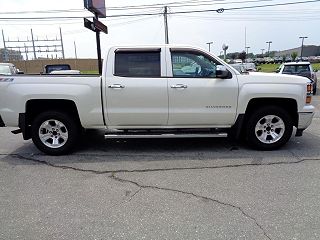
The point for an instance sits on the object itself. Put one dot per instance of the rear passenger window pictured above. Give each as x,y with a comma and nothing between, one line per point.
137,64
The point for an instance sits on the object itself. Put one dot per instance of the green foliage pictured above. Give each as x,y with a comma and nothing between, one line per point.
294,55
243,56
269,67
273,67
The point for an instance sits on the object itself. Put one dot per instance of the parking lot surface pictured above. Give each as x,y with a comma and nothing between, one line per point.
161,189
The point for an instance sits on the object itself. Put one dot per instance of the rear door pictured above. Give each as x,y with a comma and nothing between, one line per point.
196,95
137,88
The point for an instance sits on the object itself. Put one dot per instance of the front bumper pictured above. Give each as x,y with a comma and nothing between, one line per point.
305,119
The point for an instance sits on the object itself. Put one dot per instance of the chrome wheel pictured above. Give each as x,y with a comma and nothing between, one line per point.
270,129
53,133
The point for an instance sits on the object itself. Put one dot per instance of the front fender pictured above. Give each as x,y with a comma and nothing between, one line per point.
255,91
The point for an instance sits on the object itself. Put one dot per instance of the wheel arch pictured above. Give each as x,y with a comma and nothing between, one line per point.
288,104
36,106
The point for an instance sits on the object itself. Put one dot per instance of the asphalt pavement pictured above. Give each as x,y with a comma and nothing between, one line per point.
161,189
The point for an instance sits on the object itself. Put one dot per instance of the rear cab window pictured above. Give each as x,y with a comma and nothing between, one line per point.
144,63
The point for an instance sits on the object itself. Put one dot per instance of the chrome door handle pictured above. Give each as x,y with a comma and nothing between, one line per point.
116,86
179,86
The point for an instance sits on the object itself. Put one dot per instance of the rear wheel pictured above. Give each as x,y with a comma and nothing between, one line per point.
55,133
269,128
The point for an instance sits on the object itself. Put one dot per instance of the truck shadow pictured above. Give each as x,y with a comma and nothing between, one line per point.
96,153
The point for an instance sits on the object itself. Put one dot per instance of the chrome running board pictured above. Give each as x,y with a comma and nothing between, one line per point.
166,135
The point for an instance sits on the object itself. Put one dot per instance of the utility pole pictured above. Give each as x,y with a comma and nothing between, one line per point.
5,48
245,38
62,49
209,44
165,16
302,46
26,51
262,49
269,42
34,49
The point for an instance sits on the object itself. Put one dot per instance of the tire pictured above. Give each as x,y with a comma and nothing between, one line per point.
55,133
269,128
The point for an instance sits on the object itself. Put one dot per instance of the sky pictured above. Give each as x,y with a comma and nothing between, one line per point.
283,25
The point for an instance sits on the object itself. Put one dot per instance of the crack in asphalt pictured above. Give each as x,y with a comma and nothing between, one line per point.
194,195
133,195
141,187
157,169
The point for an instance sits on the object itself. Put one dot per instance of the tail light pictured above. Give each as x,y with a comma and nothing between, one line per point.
309,93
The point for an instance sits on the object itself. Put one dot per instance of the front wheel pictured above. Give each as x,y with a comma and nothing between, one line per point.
54,133
269,128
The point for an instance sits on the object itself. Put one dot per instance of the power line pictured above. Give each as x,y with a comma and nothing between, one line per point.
245,7
173,4
144,6
220,10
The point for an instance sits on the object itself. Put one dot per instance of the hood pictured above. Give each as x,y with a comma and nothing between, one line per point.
273,78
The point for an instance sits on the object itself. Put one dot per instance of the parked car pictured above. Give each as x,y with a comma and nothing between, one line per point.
288,59
250,67
278,60
303,69
239,67
65,72
9,69
55,67
244,67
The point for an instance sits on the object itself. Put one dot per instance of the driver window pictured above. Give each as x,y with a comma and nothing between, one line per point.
192,65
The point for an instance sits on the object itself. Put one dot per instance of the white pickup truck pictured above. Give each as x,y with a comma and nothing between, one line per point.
157,91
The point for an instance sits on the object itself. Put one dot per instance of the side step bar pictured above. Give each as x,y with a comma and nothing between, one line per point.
165,135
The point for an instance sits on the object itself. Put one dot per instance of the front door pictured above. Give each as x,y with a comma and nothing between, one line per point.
196,95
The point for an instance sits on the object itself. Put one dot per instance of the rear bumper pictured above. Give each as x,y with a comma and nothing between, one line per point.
2,123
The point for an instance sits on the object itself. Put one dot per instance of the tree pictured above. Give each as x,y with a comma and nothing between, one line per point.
284,58
243,56
233,56
294,55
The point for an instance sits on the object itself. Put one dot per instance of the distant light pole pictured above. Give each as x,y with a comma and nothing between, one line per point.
247,50
209,44
269,43
262,49
302,45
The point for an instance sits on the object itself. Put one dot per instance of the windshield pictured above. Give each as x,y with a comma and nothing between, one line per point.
57,68
296,69
5,70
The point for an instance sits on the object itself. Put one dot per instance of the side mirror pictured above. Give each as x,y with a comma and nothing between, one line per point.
222,72
277,70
